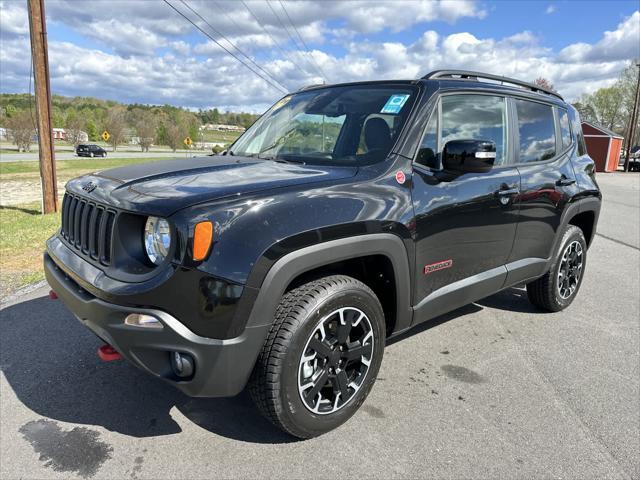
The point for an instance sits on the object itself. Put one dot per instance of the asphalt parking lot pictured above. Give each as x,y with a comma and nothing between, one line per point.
496,389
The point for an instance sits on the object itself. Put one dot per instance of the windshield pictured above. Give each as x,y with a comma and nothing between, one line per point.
345,125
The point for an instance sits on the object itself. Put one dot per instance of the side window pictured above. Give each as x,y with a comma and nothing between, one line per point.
428,152
537,131
565,128
475,117
577,129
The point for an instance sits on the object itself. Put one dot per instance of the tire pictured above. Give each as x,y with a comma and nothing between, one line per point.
559,286
282,384
104,155
91,155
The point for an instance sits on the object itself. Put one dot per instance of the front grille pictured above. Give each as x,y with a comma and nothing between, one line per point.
88,227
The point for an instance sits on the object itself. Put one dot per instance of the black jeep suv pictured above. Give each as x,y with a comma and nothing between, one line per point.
345,215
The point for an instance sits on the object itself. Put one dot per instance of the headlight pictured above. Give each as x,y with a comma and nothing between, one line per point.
157,239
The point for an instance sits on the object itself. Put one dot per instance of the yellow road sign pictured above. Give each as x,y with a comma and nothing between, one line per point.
105,135
187,141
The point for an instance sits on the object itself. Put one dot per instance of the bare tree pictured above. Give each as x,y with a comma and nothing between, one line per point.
74,126
176,133
116,124
146,130
20,127
544,83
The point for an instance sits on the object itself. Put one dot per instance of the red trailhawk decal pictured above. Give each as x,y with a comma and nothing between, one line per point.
434,267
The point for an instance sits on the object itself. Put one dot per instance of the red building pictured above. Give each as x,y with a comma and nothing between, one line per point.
603,146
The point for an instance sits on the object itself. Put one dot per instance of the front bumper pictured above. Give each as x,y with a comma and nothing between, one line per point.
222,367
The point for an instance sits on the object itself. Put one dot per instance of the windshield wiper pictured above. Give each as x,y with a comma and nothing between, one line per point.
275,144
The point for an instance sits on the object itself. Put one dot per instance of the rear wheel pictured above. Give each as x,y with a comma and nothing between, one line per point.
321,357
557,288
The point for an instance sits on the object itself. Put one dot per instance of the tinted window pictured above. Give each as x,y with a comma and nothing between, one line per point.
427,155
565,129
537,131
475,117
577,128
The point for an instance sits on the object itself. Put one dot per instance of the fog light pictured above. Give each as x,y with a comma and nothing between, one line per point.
181,364
143,321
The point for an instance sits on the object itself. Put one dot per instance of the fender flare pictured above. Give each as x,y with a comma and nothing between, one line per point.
589,204
287,268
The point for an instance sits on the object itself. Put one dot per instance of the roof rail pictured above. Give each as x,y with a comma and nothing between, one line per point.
313,85
470,75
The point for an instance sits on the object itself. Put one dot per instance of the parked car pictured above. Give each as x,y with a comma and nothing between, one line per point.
287,263
90,150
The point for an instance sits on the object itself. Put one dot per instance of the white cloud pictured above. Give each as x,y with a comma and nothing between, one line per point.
550,9
13,19
149,54
620,44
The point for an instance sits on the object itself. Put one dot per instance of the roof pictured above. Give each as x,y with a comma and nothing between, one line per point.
605,131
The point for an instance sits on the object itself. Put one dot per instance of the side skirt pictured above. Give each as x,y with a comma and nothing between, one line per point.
476,287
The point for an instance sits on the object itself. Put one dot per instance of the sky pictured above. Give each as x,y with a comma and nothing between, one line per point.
144,51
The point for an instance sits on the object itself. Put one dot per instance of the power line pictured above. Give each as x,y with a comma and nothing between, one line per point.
284,27
306,48
275,42
220,34
224,12
274,85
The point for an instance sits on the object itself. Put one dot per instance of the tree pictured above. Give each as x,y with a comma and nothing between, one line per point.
115,123
544,83
146,129
20,127
175,135
74,126
628,84
604,107
92,131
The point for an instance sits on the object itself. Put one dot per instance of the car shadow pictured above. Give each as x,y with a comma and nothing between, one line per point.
49,360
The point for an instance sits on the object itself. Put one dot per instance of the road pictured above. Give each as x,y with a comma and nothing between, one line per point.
496,389
69,155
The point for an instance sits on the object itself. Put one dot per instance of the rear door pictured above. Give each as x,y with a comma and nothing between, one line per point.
464,225
543,156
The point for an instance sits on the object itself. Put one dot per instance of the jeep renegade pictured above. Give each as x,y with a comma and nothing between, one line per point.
344,216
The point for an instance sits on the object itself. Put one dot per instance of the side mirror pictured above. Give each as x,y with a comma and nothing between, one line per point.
469,156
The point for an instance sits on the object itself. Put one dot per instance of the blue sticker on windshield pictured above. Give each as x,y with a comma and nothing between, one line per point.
395,103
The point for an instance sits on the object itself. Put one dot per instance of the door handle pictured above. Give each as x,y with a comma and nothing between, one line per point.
565,181
508,191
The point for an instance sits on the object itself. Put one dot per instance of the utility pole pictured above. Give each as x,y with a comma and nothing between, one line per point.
632,123
40,58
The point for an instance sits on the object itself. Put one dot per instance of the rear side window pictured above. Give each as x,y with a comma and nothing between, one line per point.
537,131
565,129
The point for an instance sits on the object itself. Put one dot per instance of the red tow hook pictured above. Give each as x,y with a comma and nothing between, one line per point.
108,354
53,295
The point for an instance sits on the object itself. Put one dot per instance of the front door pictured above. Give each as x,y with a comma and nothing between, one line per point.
464,225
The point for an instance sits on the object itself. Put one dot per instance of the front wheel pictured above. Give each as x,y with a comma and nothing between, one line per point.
104,155
321,357
559,286
91,155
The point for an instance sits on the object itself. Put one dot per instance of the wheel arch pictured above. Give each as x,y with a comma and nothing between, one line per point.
314,260
583,214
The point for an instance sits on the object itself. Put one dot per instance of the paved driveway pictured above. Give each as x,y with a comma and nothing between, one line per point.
493,390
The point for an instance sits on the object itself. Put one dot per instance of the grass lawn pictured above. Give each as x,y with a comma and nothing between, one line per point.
221,137
23,231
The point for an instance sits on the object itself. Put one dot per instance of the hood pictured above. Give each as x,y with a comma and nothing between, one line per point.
164,187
